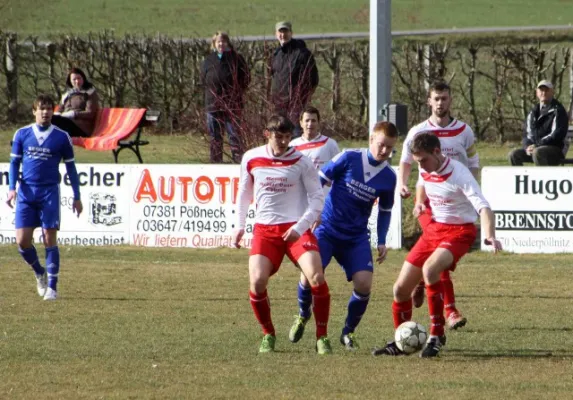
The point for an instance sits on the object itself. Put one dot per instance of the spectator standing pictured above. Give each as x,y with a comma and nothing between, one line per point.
225,76
294,75
545,130
79,106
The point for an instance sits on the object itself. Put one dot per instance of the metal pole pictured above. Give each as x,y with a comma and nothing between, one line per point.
380,60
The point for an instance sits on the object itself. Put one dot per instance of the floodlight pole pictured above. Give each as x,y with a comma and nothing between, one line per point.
380,60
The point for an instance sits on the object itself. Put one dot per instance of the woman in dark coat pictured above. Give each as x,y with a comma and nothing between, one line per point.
225,76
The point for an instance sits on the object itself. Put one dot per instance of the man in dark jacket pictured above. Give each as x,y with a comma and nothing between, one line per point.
225,76
545,130
294,75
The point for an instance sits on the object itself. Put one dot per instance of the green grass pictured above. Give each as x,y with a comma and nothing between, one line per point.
176,323
257,17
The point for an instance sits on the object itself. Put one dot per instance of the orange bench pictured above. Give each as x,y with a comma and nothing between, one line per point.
114,126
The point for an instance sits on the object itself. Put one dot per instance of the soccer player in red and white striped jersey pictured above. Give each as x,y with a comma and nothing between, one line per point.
289,199
457,142
319,148
456,201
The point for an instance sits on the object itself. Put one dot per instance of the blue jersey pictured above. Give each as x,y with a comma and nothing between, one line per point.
357,182
40,152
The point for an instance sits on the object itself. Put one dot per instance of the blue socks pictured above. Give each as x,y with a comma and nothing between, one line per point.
356,309
304,301
31,257
53,266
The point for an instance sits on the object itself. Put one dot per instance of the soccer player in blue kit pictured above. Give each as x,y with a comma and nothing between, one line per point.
40,147
357,178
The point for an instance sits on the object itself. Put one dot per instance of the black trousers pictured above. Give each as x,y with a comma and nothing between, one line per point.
542,155
69,126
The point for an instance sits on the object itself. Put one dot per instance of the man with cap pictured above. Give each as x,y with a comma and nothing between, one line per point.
545,130
294,75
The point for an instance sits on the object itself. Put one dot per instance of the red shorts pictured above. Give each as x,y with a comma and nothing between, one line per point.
458,239
267,241
426,217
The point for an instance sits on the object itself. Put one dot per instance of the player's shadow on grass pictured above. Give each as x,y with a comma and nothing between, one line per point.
519,353
514,296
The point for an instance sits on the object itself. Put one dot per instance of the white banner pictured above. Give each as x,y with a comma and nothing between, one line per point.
533,207
191,205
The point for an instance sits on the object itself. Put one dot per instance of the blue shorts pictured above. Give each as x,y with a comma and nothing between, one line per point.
352,255
38,206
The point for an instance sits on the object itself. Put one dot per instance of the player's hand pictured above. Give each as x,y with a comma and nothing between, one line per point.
237,237
77,207
291,235
529,149
495,243
382,253
316,224
405,192
11,197
419,209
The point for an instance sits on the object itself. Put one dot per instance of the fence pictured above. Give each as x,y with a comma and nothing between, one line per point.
493,79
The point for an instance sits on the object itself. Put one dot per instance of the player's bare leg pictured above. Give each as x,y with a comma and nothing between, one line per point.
304,304
311,265
440,260
408,278
24,238
260,270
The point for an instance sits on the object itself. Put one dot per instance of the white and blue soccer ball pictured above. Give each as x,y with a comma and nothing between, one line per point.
410,337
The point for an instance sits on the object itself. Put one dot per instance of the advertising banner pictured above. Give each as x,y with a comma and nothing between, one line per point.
533,207
192,205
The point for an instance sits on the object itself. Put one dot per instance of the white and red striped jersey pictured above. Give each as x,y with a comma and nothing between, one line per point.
285,188
454,194
320,150
457,141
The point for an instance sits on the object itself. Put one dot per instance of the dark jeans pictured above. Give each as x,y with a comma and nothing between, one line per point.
216,122
542,155
292,112
69,126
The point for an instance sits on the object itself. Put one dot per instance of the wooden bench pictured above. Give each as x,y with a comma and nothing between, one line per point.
114,128
568,142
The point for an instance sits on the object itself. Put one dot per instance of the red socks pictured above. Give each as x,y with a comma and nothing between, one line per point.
436,307
262,309
321,308
401,312
449,297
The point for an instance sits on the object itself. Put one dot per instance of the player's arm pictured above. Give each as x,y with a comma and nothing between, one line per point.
420,200
405,168
473,192
315,196
472,154
385,205
69,161
245,197
334,169
15,160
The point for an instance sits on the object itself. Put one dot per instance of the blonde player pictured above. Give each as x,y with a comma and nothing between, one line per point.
289,198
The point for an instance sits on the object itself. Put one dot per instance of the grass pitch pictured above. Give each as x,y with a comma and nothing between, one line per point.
176,323
201,18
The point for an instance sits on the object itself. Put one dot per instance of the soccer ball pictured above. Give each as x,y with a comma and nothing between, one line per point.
410,337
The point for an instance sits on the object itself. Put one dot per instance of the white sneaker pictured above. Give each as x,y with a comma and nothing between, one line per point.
42,284
51,294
